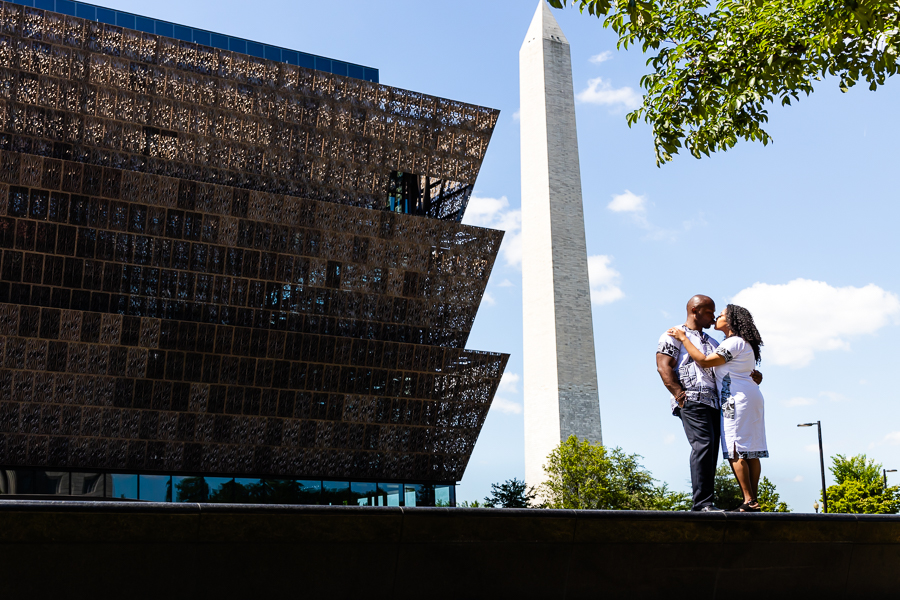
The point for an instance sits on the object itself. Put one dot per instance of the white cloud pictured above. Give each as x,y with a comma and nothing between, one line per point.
798,401
669,438
509,384
604,280
506,283
517,115
628,201
601,58
601,92
798,478
489,299
834,396
508,407
803,317
892,438
497,214
635,207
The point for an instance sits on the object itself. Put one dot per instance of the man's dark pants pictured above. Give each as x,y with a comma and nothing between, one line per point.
701,426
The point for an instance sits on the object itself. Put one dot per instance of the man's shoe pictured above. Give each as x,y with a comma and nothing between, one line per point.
711,508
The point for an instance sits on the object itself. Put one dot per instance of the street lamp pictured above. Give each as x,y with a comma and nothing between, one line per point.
821,463
886,471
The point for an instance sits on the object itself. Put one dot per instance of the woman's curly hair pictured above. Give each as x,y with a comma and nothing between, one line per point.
741,323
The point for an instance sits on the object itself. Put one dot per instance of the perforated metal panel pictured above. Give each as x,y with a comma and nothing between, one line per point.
186,287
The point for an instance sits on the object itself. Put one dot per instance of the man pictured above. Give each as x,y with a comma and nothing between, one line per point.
695,398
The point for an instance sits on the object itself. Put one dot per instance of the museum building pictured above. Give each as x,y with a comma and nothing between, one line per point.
231,272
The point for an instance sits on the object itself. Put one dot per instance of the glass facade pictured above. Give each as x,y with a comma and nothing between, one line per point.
174,488
202,37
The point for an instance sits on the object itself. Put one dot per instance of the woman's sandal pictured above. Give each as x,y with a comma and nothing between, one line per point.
745,507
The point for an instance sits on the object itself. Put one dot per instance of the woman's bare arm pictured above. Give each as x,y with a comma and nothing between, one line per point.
713,360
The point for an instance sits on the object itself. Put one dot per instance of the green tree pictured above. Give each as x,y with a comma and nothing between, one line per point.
230,492
583,475
728,494
716,66
769,500
192,489
512,493
860,487
472,504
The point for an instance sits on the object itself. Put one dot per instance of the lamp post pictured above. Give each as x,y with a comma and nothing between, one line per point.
821,463
886,471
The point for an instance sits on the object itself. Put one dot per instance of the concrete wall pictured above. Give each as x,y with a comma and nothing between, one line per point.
143,550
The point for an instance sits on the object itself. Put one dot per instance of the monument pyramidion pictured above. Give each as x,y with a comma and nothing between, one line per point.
560,370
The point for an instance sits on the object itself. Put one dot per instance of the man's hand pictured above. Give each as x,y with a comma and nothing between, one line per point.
756,376
665,366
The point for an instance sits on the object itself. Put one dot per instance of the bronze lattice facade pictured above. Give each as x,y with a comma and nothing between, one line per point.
204,270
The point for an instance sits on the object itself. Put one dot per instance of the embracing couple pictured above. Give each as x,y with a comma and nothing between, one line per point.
715,392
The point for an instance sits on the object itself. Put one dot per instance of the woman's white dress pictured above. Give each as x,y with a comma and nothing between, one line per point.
743,408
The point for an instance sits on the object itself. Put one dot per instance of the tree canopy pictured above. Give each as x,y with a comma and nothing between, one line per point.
512,493
860,487
583,475
715,67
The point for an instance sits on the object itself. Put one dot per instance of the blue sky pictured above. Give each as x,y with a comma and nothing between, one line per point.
803,232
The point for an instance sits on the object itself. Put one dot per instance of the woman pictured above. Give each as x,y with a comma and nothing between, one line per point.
743,410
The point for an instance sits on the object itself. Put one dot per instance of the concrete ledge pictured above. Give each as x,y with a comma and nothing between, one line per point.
145,550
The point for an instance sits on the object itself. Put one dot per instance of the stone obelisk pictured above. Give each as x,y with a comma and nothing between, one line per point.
560,376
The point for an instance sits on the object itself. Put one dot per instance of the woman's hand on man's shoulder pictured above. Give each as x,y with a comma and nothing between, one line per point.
676,333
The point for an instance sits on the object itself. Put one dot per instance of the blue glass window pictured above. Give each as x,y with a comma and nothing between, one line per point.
45,4
444,495
51,482
201,37
371,74
356,71
418,494
339,67
155,488
366,494
66,7
124,487
306,60
237,45
310,492
190,489
164,29
255,49
336,493
122,19
389,494
94,485
86,11
144,24
290,57
219,41
273,53
183,33
323,64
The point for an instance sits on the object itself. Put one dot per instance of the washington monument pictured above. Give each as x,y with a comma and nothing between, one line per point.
560,369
